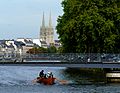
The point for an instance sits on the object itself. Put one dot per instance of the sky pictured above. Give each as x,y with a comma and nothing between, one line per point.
23,18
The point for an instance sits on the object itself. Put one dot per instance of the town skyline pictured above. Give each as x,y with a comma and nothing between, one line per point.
22,19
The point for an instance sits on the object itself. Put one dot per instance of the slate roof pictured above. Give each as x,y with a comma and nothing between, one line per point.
28,41
19,43
43,42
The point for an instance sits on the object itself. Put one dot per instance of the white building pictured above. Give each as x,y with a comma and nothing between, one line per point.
37,42
28,44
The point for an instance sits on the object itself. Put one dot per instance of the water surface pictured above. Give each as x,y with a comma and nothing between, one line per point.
19,80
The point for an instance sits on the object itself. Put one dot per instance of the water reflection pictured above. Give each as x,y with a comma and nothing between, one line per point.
83,76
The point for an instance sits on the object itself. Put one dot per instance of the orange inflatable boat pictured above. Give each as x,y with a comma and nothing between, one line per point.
46,81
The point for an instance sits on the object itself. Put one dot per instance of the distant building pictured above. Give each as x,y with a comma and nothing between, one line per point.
37,42
44,44
7,48
19,47
28,44
16,44
47,33
57,43
21,40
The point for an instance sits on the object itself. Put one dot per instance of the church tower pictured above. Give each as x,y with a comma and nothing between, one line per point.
43,30
47,33
50,32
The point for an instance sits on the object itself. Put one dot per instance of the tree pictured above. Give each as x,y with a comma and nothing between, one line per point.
52,49
37,50
60,50
90,26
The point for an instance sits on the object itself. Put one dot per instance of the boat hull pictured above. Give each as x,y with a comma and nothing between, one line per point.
46,81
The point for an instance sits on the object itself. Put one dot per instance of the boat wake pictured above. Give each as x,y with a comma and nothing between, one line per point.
25,75
16,76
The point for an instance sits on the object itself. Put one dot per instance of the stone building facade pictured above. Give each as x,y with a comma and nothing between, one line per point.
47,32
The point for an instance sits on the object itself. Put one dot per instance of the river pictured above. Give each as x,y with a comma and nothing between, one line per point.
15,79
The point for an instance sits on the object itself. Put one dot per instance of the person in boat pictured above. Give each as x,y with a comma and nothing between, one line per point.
45,76
41,74
49,75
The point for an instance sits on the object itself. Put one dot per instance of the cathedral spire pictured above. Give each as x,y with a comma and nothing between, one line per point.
50,20
43,21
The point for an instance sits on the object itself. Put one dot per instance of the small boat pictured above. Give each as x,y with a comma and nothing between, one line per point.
46,81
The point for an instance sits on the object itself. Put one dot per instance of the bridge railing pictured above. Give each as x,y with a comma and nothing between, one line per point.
75,57
66,57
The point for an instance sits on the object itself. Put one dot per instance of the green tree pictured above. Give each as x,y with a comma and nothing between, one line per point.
37,50
52,49
90,26
60,50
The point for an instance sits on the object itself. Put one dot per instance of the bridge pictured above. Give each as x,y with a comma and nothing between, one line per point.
73,57
63,64
79,60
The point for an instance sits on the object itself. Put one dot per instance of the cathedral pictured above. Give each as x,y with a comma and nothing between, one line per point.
47,32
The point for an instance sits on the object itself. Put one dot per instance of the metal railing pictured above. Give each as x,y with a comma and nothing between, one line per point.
67,57
75,57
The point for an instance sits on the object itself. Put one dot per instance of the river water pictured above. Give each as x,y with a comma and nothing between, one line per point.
19,80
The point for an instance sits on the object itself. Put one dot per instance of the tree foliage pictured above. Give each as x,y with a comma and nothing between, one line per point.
90,26
37,50
52,49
